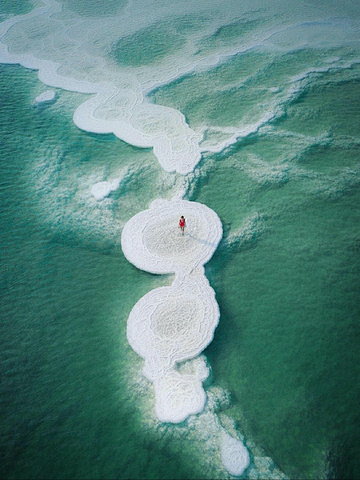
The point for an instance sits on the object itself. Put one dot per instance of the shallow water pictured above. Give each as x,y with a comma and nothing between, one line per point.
280,166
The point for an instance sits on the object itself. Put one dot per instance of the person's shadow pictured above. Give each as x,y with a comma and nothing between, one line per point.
204,242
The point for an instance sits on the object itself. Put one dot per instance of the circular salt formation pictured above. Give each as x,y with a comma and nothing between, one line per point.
172,324
152,241
235,456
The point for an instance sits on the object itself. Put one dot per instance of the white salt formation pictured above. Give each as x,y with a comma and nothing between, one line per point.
152,242
172,324
234,454
121,112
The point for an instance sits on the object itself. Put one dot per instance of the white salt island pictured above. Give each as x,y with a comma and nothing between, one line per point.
152,241
170,326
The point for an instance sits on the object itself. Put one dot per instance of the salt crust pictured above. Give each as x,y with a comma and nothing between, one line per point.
170,325
234,454
152,242
121,111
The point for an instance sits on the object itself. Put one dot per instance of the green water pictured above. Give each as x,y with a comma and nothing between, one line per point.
292,299
67,409
287,345
286,275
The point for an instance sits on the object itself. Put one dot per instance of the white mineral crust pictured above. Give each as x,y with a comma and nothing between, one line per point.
152,242
173,324
235,456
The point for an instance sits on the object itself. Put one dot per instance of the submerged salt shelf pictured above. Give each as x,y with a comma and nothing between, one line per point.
172,325
235,456
102,190
47,96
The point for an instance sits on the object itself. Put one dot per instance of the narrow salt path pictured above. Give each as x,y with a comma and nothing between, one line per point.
174,324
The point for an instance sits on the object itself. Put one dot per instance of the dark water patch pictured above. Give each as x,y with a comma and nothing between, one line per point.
239,30
331,158
17,7
342,460
329,107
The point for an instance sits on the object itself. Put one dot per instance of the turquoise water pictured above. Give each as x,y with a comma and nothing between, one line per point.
279,120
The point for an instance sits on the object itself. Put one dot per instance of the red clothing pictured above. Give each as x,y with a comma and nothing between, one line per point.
182,222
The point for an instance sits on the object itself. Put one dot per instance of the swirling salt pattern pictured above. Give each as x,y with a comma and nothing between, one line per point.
173,324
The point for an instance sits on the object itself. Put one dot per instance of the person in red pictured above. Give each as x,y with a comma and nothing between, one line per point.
182,224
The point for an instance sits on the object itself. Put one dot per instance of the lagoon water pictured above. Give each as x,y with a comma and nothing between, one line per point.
259,104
